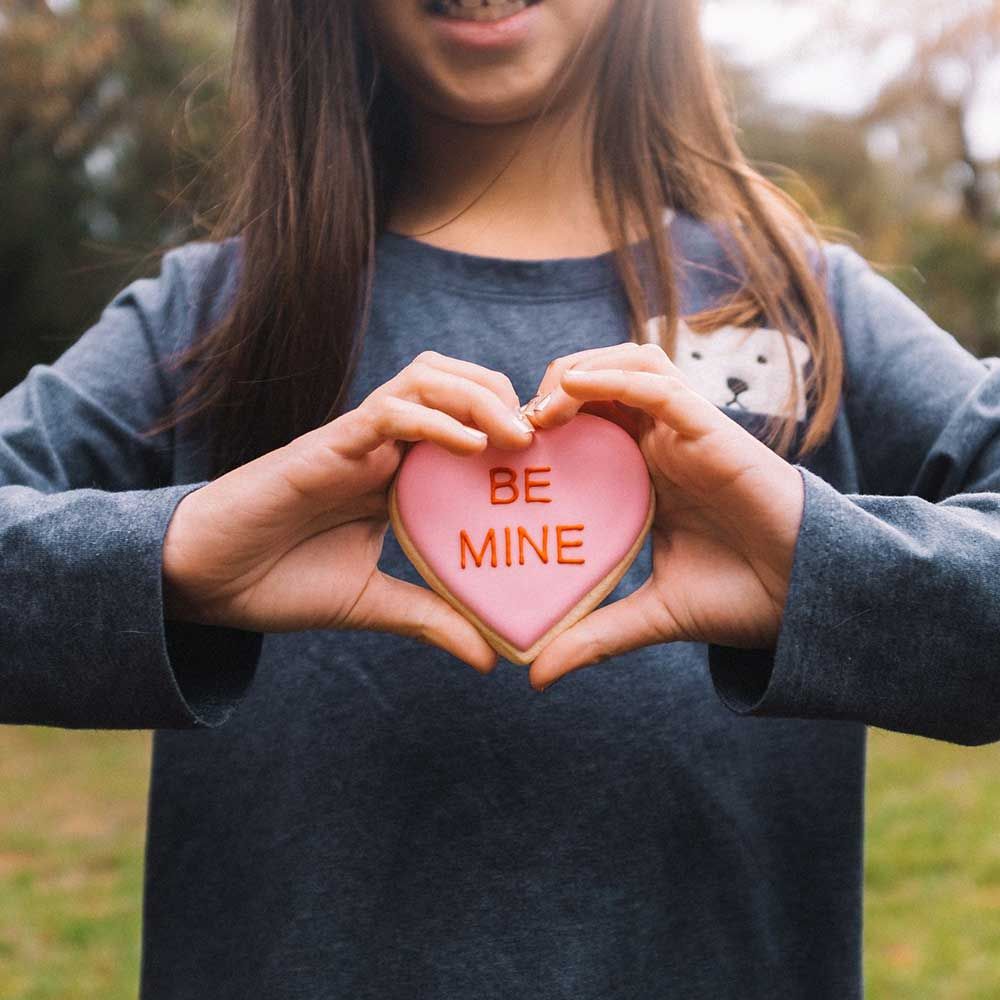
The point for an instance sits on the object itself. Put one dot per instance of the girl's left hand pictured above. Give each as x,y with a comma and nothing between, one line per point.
728,512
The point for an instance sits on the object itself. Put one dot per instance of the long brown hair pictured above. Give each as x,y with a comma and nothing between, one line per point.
320,138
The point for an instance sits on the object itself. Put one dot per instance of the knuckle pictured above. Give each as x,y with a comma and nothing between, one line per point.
480,396
666,360
597,651
594,646
426,358
391,411
656,357
412,375
416,372
504,383
671,382
396,384
364,414
561,370
333,435
423,624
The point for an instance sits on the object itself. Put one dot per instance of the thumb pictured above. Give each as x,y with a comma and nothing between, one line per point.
637,620
391,605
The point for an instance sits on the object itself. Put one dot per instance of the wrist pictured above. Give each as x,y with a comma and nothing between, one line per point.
789,511
177,592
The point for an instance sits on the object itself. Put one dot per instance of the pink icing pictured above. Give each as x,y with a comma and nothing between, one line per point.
598,479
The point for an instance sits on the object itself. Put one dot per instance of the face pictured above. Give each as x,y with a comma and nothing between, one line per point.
486,61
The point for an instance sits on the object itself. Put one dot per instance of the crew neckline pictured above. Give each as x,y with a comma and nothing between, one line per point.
541,277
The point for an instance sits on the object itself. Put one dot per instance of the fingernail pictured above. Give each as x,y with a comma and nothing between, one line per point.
543,402
530,405
523,425
476,435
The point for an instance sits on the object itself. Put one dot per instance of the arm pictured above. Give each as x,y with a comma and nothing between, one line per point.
892,616
85,500
93,536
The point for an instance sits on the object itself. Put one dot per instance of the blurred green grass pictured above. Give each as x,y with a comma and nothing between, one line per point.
932,907
71,841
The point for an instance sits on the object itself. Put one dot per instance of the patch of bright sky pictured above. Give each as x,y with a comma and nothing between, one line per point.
769,35
763,34
842,80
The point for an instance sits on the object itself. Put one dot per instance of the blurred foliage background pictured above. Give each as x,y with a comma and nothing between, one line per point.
110,108
888,116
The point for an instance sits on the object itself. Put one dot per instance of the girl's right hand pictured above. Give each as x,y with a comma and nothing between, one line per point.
291,540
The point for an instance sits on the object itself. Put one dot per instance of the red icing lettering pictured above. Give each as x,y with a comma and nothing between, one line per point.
535,484
523,536
490,542
509,484
562,544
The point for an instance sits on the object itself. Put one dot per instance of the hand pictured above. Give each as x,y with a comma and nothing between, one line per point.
292,539
728,512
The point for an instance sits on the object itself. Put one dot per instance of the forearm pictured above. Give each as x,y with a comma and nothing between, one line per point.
83,637
892,619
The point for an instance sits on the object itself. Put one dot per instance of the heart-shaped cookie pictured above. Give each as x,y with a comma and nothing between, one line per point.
525,543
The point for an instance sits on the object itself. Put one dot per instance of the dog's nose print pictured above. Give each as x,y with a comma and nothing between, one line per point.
737,385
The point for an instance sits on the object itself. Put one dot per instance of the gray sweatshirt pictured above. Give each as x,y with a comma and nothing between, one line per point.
351,814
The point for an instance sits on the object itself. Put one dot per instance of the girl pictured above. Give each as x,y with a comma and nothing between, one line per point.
442,210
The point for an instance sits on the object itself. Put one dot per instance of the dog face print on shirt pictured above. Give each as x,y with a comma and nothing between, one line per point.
739,368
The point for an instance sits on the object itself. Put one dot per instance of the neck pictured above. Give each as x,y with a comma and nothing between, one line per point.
521,190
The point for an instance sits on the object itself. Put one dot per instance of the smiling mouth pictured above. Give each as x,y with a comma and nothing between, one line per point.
477,10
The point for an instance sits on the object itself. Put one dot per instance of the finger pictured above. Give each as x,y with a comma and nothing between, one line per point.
470,403
627,417
391,605
640,619
394,419
555,368
558,407
664,397
623,355
495,381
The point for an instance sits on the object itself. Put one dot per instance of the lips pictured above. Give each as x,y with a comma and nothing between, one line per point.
477,10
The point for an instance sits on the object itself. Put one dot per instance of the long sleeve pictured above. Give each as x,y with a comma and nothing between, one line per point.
893,611
86,495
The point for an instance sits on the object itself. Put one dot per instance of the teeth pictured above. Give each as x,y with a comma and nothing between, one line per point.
478,10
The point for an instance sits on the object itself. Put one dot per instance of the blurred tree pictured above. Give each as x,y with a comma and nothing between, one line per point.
822,159
109,110
914,172
932,102
93,155
929,116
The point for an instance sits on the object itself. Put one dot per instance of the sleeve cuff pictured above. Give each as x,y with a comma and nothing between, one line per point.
891,619
211,667
770,682
83,637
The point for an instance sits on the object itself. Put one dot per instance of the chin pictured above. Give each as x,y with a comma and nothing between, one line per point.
502,96
488,110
